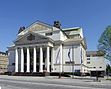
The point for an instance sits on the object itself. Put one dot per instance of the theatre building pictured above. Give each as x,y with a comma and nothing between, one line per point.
42,47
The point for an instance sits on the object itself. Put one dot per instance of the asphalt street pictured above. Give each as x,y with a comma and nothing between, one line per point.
27,82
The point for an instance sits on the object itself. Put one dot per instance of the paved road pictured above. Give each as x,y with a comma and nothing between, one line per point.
21,82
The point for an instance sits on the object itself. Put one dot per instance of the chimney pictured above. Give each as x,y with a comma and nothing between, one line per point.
57,24
21,29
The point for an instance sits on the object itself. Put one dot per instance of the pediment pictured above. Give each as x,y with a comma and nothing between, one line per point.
32,38
36,26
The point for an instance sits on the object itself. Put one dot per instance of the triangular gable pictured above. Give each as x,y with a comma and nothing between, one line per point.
36,26
39,26
32,38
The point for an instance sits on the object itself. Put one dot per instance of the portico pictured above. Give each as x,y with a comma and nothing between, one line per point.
34,58
33,53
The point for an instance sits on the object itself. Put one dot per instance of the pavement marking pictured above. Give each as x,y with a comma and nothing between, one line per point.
54,85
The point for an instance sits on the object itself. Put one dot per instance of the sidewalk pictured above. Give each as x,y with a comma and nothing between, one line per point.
53,77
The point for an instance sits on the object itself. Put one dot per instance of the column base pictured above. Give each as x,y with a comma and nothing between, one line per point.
16,71
41,71
27,71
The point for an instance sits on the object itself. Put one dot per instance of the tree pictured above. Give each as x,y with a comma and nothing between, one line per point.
108,70
105,43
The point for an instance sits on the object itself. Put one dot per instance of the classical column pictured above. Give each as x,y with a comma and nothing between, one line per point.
16,60
61,57
48,52
22,60
52,59
34,61
28,60
41,60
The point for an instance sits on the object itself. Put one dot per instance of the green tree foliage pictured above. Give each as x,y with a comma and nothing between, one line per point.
108,69
105,43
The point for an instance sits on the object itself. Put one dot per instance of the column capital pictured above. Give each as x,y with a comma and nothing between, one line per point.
16,48
27,47
21,47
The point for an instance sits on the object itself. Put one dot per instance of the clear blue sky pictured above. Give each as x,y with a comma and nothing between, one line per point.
92,15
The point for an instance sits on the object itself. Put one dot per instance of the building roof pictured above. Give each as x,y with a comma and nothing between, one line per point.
69,29
95,53
74,34
71,32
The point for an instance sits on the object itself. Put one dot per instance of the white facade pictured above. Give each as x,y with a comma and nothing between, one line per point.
42,47
95,61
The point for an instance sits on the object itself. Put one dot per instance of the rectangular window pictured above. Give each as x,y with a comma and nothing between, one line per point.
77,71
88,58
88,62
88,55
